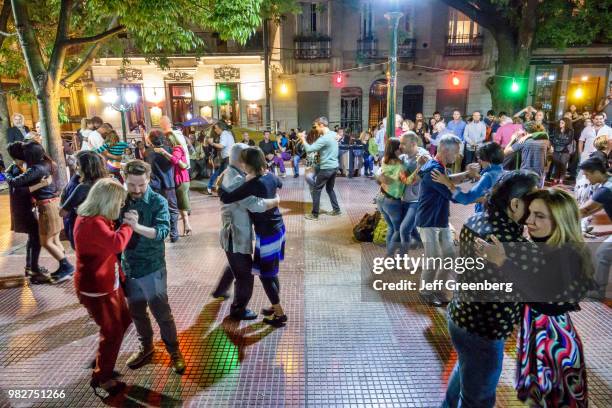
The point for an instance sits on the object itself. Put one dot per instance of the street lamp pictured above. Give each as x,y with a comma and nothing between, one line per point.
123,103
394,18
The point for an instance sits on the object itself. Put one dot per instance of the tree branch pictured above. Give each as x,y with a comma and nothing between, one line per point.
88,58
29,45
5,14
58,55
94,38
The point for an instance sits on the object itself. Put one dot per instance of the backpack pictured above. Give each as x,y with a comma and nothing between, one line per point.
364,230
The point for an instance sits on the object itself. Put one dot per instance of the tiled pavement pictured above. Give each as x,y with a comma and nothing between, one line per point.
336,350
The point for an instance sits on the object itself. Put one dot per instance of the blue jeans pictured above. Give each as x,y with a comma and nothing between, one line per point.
217,173
296,164
474,379
368,164
392,211
408,225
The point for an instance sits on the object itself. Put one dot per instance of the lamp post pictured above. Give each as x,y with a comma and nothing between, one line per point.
126,101
394,18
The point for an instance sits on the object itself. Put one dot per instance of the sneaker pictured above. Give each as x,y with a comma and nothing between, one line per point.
209,190
140,357
28,272
335,213
276,321
63,274
283,175
178,362
312,217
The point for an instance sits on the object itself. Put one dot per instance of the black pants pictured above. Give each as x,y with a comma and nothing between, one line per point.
469,157
559,164
33,250
324,178
272,288
239,272
170,195
572,169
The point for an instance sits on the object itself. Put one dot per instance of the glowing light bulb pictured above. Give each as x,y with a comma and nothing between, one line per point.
131,97
284,89
455,80
514,87
579,93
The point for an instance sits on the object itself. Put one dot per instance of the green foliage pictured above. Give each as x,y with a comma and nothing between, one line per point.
62,113
565,23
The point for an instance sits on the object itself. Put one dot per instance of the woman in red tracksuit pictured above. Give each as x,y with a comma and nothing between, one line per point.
98,274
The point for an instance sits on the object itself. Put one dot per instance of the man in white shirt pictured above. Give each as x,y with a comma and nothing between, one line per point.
589,134
226,141
93,140
166,126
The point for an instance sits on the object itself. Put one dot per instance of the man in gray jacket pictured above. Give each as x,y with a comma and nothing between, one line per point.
236,238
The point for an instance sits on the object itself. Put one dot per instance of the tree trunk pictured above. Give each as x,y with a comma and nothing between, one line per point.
4,125
512,66
50,128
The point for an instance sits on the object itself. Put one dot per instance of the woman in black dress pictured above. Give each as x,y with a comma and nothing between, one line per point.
269,230
23,219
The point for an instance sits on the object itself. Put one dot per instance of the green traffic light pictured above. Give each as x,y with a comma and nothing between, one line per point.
222,95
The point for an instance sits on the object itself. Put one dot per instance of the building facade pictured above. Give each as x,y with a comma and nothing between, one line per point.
227,82
575,76
331,61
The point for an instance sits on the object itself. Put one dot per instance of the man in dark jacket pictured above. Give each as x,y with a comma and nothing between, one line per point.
19,130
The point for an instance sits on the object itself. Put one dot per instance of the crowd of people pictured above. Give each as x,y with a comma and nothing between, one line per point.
125,199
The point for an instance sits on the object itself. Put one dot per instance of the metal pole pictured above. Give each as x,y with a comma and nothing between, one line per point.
266,73
123,126
394,18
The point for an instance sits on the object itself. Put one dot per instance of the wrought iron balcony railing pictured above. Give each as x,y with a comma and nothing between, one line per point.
308,48
367,48
407,49
460,45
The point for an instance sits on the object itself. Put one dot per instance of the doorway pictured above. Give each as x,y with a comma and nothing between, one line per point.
181,102
228,103
378,102
412,101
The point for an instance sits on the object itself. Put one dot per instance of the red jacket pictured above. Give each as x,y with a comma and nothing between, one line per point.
97,245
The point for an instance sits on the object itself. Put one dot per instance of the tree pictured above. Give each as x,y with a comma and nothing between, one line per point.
520,25
59,39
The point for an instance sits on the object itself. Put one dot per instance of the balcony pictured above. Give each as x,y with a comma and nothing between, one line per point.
407,49
367,49
312,47
462,45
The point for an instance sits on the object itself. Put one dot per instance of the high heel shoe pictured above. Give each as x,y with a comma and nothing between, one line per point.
112,391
